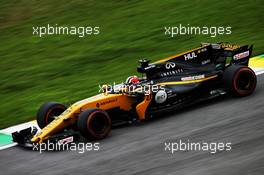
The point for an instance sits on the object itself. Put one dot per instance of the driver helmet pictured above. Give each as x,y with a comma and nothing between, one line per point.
132,80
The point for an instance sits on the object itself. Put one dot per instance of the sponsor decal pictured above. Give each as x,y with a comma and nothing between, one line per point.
108,101
160,96
197,77
169,73
202,50
190,56
241,55
65,140
170,65
170,94
229,46
206,61
216,46
150,66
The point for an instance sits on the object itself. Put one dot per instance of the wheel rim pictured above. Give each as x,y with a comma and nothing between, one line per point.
98,124
52,113
245,82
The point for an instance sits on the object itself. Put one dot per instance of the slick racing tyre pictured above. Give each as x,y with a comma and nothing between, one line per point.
47,112
240,80
94,124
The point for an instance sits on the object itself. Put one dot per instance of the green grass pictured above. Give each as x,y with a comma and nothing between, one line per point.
67,68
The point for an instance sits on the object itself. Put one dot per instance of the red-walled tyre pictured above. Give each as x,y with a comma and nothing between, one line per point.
48,111
94,124
240,80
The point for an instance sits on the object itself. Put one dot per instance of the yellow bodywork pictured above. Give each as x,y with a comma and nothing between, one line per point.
142,107
102,101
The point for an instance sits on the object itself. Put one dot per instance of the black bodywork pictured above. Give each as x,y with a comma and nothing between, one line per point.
209,60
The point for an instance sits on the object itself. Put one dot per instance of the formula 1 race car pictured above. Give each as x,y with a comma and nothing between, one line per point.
206,72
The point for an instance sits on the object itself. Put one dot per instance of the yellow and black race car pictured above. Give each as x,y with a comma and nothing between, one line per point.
203,73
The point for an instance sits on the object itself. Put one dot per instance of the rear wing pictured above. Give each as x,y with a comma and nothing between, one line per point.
220,54
241,55
231,53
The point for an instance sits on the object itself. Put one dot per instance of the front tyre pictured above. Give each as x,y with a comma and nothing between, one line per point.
47,113
240,80
94,124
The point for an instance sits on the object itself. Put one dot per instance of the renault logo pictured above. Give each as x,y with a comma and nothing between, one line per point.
170,65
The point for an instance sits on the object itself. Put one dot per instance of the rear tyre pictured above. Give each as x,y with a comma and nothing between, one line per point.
94,124
240,80
47,113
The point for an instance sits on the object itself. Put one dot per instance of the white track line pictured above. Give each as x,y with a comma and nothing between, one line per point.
259,71
7,146
15,128
19,127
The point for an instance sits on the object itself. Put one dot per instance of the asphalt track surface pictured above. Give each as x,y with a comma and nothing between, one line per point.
139,149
